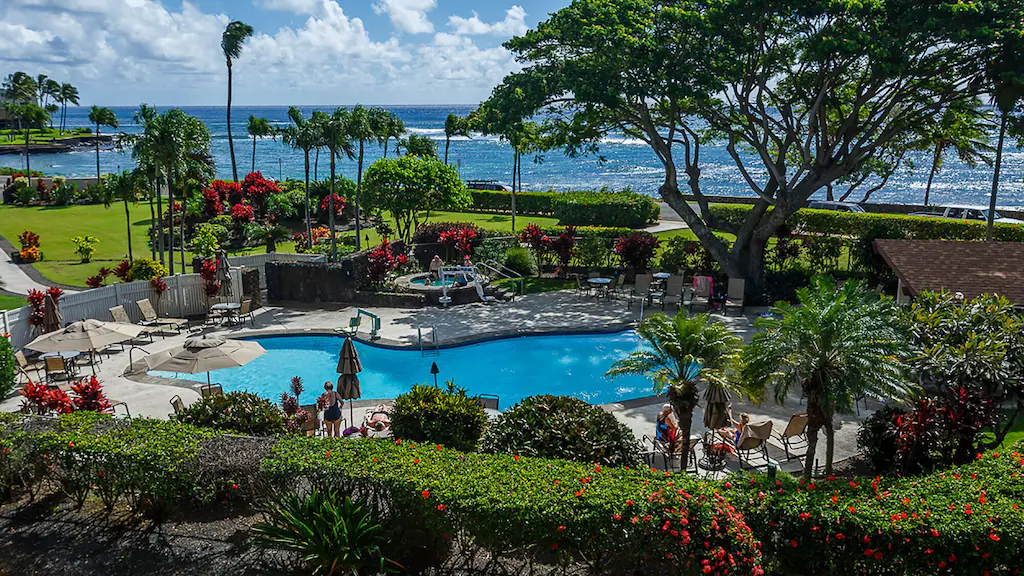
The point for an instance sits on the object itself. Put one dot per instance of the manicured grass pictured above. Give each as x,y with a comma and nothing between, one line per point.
538,285
38,136
12,302
487,221
1016,435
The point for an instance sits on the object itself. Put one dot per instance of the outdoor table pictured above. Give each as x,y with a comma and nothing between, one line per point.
601,284
231,308
661,275
68,356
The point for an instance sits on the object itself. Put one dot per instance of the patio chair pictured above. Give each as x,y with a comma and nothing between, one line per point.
703,289
177,404
581,289
673,291
115,404
735,297
618,289
795,433
753,441
24,365
119,315
211,390
641,288
150,315
55,367
246,312
669,452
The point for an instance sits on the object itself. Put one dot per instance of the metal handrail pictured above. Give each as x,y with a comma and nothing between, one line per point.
500,269
433,339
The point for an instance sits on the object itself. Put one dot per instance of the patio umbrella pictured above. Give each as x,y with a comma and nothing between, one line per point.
224,273
86,335
204,354
716,411
348,383
51,315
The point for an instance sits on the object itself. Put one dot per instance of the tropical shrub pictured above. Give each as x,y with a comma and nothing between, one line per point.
626,208
562,427
29,241
877,438
239,412
522,261
90,396
8,367
147,269
256,189
242,214
63,192
85,247
36,299
822,253
427,239
321,237
637,250
205,243
123,271
213,203
563,246
527,203
446,416
538,241
339,205
382,261
594,251
22,191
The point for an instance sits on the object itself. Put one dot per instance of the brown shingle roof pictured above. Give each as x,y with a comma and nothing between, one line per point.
973,268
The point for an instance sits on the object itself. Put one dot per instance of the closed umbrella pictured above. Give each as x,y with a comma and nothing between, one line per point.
348,383
716,411
86,335
204,354
51,315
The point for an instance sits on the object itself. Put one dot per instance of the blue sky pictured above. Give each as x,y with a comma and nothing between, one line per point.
166,52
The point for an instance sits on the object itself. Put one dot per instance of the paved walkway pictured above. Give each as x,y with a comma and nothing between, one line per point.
14,279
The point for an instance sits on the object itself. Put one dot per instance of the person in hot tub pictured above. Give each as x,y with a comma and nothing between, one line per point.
435,266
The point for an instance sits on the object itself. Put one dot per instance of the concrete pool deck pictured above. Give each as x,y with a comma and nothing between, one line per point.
551,312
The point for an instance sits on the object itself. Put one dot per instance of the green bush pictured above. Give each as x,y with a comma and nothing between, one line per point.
522,261
562,427
527,203
625,209
446,416
205,243
8,367
594,251
240,412
147,269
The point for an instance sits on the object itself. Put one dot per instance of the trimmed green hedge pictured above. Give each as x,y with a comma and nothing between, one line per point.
834,223
609,209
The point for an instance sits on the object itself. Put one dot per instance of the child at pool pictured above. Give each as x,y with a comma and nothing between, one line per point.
332,414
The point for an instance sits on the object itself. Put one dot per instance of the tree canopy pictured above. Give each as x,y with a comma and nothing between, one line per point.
409,185
803,94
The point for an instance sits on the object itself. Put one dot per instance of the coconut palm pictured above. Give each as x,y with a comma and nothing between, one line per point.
417,145
101,116
389,126
259,128
51,109
336,137
123,187
19,87
143,151
454,125
68,95
40,95
28,114
963,128
231,43
302,135
683,351
361,127
50,89
1007,91
837,345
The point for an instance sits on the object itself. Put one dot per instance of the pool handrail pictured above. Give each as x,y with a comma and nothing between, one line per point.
506,272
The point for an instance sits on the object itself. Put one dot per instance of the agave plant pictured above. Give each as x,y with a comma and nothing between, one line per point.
332,534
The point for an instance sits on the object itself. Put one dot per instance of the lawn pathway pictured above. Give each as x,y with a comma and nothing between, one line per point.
14,279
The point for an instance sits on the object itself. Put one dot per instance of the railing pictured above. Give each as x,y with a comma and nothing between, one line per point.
508,273
433,348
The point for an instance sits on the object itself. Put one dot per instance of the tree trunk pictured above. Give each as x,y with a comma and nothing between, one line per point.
253,154
152,220
812,445
515,163
683,402
28,155
931,175
995,176
387,141
519,170
159,221
830,445
330,214
170,209
97,140
316,166
309,222
231,142
128,222
181,228
447,141
359,191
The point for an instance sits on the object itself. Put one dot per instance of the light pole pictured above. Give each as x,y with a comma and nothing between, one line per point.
434,370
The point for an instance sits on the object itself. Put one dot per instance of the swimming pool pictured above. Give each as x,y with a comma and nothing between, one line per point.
511,368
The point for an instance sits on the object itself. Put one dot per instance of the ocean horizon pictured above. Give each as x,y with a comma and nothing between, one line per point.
623,162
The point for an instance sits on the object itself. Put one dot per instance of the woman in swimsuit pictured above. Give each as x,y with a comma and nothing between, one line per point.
665,424
332,414
733,435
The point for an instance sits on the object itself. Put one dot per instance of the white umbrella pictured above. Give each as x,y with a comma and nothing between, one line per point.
205,353
85,335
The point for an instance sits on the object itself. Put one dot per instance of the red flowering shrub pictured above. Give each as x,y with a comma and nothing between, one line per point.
123,271
302,242
212,203
90,395
159,286
637,250
256,189
37,300
459,238
208,272
94,281
35,396
242,214
457,242
381,262
537,239
339,204
564,246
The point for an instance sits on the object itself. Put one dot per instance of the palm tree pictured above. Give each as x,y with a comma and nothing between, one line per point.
28,114
389,126
231,42
964,128
683,352
360,129
837,345
143,149
50,89
259,128
1007,90
454,125
68,94
41,89
302,135
123,187
52,109
417,145
101,117
335,135
19,87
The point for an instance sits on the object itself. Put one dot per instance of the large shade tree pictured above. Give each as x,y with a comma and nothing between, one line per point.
231,43
803,94
838,344
101,116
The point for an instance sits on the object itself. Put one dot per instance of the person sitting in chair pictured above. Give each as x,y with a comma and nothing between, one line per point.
665,424
733,435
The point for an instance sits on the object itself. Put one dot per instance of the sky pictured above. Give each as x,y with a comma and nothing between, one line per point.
304,52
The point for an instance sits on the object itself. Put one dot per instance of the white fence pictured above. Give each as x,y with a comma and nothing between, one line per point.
186,296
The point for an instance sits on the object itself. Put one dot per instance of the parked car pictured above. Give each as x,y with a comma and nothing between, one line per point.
487,185
836,206
966,213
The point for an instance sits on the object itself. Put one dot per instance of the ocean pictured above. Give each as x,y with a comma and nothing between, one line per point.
625,162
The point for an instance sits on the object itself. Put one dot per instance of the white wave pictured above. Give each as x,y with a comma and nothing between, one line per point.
623,141
427,131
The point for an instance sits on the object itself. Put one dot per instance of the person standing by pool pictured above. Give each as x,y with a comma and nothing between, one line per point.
435,266
332,414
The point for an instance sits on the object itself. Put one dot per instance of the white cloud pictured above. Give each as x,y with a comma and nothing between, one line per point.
297,6
452,57
408,15
514,24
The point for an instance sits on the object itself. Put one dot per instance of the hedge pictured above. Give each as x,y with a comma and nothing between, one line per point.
615,209
835,223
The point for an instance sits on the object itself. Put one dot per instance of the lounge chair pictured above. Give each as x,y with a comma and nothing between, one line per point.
673,291
795,432
24,365
211,390
753,440
641,288
735,297
177,404
703,289
150,315
55,367
378,419
120,315
115,404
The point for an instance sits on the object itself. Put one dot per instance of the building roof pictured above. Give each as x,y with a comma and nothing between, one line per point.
973,268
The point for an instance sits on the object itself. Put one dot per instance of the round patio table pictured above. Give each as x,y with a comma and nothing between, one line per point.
226,306
601,284
661,275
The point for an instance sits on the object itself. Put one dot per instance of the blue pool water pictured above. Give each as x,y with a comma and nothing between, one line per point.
512,368
448,281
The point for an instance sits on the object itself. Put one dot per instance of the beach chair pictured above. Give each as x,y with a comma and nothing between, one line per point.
703,288
795,433
641,289
55,367
177,404
24,365
211,390
753,441
150,315
735,296
120,315
673,291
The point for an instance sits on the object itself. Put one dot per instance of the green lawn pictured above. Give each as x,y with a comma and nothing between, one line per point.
12,302
1016,435
487,221
538,285
38,136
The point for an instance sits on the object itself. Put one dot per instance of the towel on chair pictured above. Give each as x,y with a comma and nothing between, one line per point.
703,285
